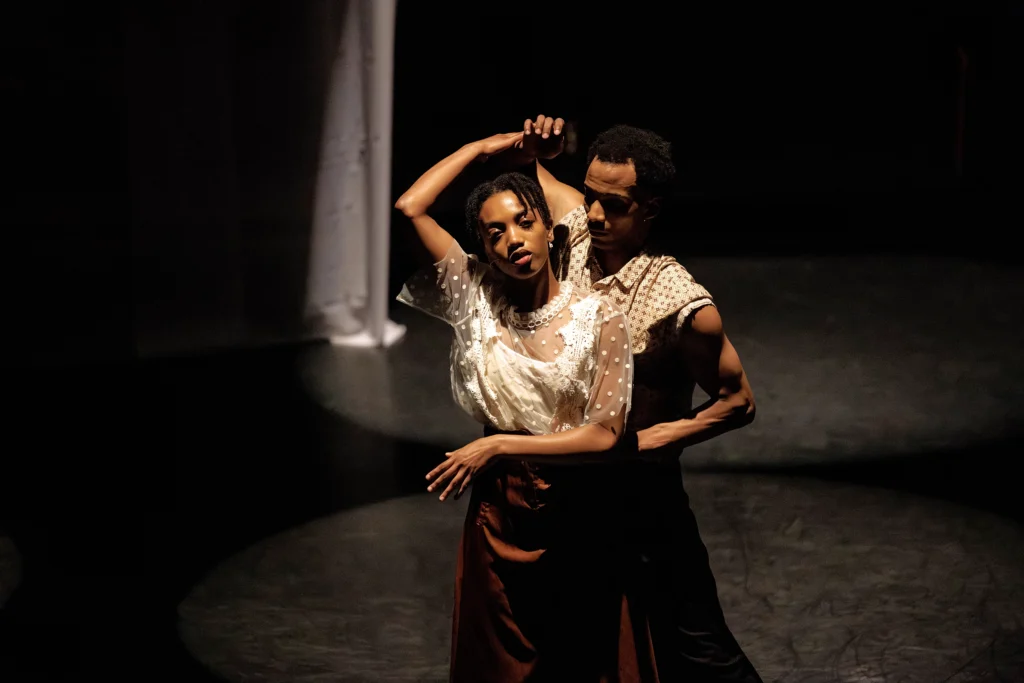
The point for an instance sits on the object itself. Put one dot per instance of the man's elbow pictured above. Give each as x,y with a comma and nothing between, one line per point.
741,409
745,410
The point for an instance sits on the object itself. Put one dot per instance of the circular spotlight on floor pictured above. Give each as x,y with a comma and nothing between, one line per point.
819,582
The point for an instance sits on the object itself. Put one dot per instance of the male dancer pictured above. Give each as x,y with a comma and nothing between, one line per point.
678,342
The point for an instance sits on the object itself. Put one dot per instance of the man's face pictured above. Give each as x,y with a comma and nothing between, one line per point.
618,215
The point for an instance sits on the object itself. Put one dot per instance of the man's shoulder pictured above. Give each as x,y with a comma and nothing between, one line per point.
671,291
674,279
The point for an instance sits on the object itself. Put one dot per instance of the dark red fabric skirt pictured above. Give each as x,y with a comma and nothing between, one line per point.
540,582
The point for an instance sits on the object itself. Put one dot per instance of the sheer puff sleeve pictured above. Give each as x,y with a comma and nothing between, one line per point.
612,388
446,290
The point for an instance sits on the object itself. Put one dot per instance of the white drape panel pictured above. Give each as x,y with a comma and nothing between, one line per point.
346,292
337,289
261,147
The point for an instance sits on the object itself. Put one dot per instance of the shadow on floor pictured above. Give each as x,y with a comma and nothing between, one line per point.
979,476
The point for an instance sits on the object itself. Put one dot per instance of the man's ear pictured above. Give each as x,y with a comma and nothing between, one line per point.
653,208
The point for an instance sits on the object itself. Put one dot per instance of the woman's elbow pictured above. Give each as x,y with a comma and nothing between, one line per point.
606,438
407,205
403,205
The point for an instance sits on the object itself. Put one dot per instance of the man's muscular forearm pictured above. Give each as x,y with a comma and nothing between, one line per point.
713,362
717,416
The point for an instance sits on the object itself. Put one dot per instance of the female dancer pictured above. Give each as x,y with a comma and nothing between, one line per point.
548,370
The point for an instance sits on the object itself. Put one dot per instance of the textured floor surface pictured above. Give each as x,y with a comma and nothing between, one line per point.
820,583
260,515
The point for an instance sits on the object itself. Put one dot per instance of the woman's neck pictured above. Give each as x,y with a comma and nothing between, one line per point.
529,295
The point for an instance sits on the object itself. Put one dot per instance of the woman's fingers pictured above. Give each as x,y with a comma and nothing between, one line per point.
456,480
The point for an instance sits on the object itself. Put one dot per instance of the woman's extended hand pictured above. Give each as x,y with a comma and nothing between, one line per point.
463,465
496,144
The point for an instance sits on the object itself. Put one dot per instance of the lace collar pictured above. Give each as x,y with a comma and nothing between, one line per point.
543,315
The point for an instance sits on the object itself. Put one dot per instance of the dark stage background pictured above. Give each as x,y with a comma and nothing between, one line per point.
834,131
164,160
822,133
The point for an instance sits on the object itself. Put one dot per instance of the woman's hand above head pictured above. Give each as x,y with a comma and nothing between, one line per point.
496,144
540,138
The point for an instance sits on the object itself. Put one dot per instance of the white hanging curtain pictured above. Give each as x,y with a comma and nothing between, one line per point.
224,253
346,293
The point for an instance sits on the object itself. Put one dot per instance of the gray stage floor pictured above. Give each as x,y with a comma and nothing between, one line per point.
298,545
849,358
820,582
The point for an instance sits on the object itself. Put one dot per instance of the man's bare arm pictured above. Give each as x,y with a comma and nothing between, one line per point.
543,138
716,367
561,198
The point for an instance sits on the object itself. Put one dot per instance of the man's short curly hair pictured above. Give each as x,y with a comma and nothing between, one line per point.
650,153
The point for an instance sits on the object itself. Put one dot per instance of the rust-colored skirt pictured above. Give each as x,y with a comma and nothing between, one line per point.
539,588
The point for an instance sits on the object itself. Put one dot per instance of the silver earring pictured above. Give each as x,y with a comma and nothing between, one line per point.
551,245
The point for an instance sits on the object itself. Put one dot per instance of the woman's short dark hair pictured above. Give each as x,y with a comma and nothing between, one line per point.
526,190
529,194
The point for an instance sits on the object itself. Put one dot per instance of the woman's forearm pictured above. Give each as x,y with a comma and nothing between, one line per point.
586,444
418,199
425,191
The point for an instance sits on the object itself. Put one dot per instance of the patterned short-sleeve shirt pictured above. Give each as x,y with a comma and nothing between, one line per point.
658,295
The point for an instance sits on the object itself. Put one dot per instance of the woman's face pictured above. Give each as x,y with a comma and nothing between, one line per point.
515,239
